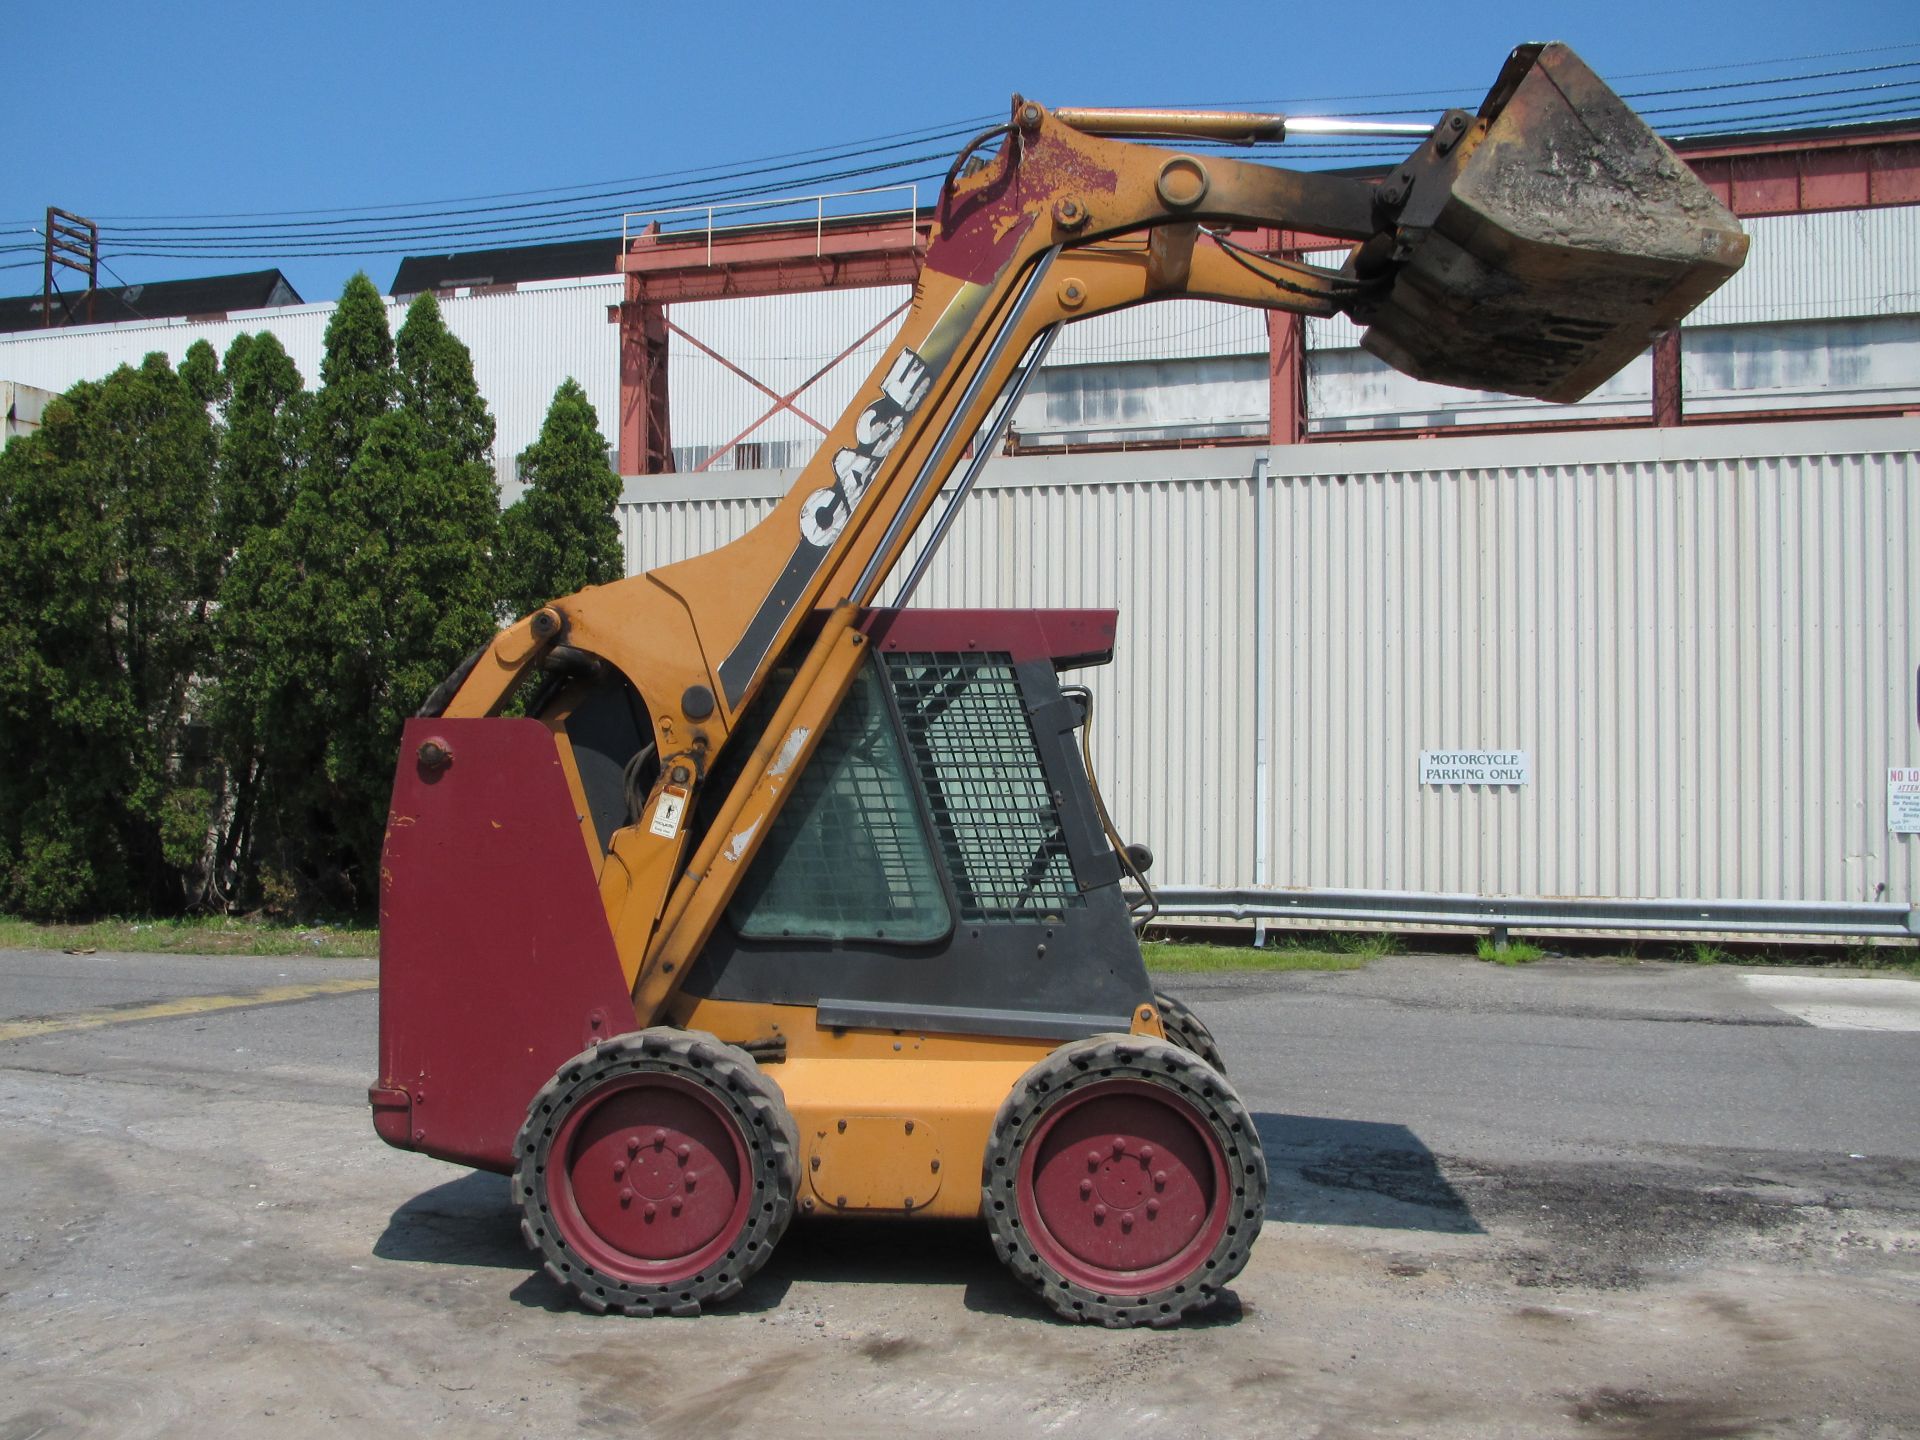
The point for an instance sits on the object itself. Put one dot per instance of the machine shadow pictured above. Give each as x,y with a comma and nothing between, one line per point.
1357,1172
467,1221
471,1220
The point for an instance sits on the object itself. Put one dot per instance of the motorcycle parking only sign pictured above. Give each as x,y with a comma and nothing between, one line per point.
1903,802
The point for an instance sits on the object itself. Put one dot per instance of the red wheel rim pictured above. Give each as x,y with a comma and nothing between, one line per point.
648,1179
1123,1187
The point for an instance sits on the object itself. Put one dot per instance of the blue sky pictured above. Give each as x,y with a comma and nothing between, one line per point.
127,110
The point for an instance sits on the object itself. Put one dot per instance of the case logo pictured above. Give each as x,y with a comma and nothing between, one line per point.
824,513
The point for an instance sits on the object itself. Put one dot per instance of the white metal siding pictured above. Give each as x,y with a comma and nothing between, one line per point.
1835,265
1707,641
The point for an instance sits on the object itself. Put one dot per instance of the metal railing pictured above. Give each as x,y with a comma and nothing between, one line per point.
634,222
1388,908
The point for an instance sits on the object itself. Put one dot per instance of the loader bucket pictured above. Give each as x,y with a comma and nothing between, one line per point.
1569,237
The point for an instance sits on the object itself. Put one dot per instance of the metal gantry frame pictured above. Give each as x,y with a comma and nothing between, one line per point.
717,260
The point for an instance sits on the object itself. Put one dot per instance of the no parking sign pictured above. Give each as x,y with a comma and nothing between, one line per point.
1903,802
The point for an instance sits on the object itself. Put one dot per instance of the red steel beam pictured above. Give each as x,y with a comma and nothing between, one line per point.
1797,176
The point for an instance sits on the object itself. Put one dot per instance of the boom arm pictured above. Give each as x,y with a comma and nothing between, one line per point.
1063,223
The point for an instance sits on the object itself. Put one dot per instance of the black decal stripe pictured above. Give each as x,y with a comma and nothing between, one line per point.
739,668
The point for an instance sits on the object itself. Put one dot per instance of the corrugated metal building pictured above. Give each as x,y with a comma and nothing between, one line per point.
1704,643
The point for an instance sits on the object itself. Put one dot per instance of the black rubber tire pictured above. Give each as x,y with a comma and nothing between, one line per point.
1188,1030
1135,1058
756,1107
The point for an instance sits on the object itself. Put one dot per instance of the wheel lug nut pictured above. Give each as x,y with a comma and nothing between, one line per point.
1086,1188
659,1139
648,1213
1119,1145
1093,1158
633,1145
1147,1153
1099,1213
1159,1179
685,1152
1153,1208
676,1206
1126,1221
619,1169
689,1178
626,1195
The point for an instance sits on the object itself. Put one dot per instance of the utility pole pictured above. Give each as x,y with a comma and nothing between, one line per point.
72,241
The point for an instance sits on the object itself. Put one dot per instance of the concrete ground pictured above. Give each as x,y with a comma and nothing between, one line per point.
1574,1199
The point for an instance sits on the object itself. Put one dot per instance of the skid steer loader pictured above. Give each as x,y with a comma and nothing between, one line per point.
774,901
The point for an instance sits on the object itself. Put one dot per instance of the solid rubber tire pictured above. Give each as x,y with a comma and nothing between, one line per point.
735,1085
1188,1030
1135,1058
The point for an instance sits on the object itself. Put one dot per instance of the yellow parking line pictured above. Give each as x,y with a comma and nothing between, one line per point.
174,1009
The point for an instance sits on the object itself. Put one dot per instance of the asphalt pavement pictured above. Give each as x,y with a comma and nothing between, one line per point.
1574,1198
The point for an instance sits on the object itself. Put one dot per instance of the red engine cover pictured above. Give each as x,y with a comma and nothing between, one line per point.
496,964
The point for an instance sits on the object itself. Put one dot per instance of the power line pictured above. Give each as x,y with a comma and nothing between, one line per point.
904,137
532,205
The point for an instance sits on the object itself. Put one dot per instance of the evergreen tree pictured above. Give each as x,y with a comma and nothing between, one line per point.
436,383
105,582
304,627
357,380
200,373
259,466
561,535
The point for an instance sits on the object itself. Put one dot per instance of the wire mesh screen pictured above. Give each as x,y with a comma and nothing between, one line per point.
992,807
848,856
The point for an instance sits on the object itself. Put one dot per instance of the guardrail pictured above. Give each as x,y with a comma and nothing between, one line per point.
1386,908
634,221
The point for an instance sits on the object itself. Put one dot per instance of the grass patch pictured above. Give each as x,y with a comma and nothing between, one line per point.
200,935
1514,952
1177,958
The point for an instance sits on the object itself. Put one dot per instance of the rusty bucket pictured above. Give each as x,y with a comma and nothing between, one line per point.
1549,243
